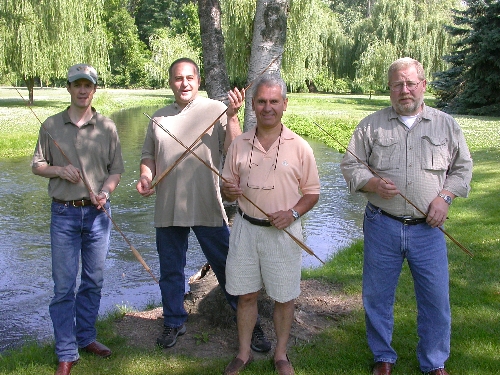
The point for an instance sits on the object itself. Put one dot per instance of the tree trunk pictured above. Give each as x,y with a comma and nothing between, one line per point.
30,84
212,41
269,36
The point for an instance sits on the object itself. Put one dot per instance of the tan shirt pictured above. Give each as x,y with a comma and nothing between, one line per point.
271,189
190,194
93,148
421,161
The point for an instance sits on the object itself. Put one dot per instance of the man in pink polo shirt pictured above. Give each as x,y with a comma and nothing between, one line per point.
276,170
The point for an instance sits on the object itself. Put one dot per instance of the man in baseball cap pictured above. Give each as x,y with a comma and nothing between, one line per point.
82,71
81,182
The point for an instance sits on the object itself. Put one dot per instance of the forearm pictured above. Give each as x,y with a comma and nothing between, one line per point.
305,203
111,183
148,169
47,171
233,130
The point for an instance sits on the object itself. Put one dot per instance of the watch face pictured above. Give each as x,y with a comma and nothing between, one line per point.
446,198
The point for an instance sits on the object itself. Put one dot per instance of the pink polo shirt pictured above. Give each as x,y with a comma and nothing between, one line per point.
276,178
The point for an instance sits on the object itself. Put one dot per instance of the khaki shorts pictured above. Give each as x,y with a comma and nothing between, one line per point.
264,256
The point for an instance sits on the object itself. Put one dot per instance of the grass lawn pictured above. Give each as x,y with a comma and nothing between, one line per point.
475,282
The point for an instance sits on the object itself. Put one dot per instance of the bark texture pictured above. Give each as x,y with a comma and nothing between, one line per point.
212,40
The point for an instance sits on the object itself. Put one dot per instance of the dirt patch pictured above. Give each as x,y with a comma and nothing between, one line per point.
211,330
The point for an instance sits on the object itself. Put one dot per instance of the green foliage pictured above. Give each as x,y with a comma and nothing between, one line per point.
127,54
237,26
470,85
166,48
398,28
42,39
152,15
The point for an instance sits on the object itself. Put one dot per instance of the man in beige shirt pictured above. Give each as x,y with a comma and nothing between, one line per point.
189,197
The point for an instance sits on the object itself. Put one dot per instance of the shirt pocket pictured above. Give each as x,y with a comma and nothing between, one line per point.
435,154
383,155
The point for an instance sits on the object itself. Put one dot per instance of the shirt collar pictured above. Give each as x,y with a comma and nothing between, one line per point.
67,119
286,134
423,114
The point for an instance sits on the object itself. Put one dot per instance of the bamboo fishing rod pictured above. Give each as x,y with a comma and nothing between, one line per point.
294,238
191,147
383,179
134,250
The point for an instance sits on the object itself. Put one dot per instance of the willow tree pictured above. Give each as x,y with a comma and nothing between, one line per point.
400,28
165,49
41,39
318,46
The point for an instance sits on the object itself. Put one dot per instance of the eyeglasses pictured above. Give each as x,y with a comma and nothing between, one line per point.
264,176
410,85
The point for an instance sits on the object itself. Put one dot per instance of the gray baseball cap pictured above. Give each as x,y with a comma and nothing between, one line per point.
82,71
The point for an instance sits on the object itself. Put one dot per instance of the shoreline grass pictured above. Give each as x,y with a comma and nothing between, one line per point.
342,349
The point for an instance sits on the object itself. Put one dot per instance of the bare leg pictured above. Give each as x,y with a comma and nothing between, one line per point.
246,318
283,318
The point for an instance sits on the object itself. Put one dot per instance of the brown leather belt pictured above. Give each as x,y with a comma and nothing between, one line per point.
253,220
75,203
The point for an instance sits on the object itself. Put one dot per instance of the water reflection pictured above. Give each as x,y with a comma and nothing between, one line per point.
25,269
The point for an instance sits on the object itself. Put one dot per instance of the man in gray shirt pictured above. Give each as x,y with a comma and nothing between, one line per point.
421,154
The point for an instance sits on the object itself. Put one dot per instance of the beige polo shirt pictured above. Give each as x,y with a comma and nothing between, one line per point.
271,185
190,194
93,148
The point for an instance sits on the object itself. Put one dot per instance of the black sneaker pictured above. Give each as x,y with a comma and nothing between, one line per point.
169,336
260,343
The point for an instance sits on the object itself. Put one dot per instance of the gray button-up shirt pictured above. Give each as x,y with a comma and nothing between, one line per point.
421,161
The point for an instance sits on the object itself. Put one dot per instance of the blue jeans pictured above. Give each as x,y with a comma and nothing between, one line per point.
387,243
172,244
75,232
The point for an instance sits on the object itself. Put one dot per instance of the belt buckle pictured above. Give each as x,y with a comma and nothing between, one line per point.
406,219
81,205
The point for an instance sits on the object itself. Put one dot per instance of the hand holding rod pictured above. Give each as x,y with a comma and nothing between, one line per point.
297,241
191,147
405,198
132,248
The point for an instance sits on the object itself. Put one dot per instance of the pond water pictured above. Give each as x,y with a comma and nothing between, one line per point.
25,265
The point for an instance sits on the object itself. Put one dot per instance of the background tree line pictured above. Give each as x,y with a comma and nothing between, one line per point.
338,46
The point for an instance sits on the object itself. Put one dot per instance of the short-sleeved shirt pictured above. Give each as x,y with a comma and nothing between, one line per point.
94,148
422,160
274,179
190,194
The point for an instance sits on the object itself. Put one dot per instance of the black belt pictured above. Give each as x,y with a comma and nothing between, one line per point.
253,220
75,203
406,220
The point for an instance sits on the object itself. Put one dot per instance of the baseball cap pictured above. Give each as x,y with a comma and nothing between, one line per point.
82,71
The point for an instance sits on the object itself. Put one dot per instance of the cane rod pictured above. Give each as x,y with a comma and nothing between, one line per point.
295,239
383,179
132,248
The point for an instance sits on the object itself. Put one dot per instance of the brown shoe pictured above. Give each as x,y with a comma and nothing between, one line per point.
64,368
284,367
98,349
382,368
237,365
439,371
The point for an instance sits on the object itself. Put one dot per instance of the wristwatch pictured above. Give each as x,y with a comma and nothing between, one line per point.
446,198
295,214
106,194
